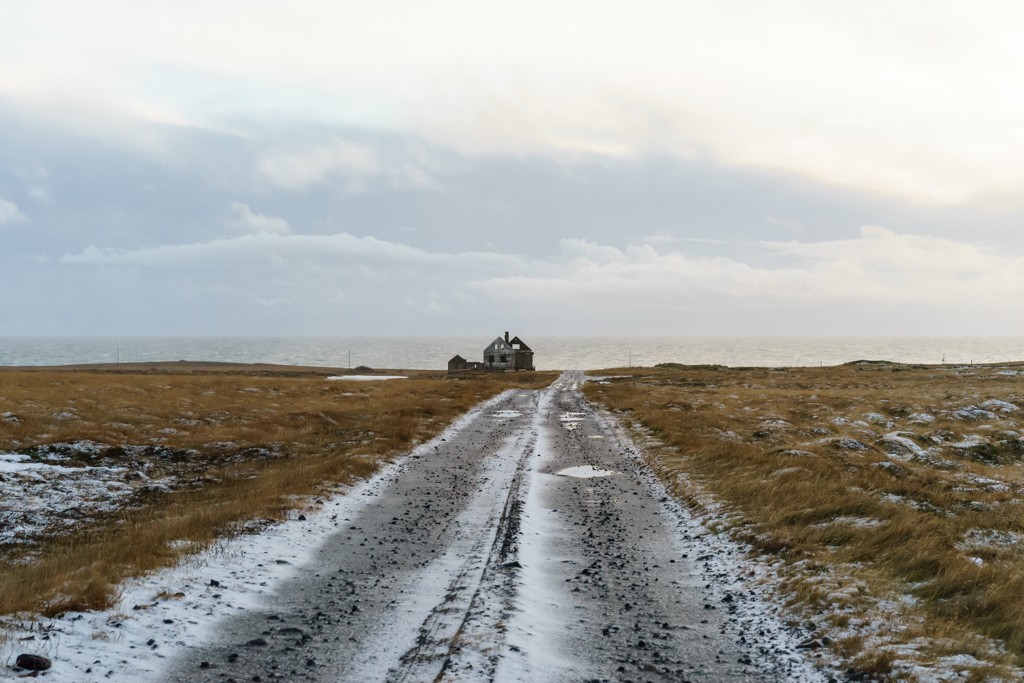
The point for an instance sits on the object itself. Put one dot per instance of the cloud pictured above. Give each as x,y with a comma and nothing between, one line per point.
296,170
881,282
9,213
267,282
244,220
908,99
881,267
342,251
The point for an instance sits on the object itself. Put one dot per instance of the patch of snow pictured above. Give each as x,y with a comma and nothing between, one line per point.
37,497
878,419
903,443
920,418
365,378
585,472
786,471
969,441
848,444
1000,406
977,481
774,423
979,539
972,413
572,421
505,414
178,608
891,467
855,522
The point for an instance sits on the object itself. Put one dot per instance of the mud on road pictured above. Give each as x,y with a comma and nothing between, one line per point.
529,545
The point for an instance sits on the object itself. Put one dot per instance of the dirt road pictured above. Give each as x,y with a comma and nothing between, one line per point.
530,545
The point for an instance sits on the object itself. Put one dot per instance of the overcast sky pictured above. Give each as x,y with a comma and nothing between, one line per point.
465,167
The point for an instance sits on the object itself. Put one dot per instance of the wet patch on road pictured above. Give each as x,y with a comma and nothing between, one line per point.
572,421
585,472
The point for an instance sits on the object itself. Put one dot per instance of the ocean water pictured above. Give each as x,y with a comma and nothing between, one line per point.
550,353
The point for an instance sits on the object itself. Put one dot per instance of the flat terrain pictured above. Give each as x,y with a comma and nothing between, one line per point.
111,471
671,523
528,545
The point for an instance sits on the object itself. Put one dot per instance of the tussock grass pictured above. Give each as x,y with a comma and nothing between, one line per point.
240,445
890,494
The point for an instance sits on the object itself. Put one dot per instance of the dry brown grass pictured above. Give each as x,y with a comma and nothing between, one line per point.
904,535
239,443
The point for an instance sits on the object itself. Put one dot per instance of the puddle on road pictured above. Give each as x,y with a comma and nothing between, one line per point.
505,414
585,472
571,421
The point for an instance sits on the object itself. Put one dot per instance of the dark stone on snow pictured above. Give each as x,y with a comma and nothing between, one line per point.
32,662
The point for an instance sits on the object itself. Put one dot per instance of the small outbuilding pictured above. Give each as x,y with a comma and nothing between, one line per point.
460,364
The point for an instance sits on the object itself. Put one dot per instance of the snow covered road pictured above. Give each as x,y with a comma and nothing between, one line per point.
528,543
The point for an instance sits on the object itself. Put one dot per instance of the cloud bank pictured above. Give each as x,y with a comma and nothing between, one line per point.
598,287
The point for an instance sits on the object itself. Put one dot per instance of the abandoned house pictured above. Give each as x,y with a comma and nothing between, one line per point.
500,354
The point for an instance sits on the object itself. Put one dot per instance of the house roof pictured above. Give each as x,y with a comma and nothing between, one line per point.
522,344
501,344
457,357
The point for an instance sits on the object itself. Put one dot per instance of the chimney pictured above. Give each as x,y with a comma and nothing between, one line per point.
506,336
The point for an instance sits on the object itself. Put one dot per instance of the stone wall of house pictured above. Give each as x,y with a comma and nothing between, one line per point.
499,355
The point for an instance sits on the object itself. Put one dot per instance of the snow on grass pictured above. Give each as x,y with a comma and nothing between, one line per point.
902,443
972,413
1000,406
854,522
365,378
41,497
163,614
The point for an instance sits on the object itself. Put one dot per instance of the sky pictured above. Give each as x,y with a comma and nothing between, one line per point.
590,167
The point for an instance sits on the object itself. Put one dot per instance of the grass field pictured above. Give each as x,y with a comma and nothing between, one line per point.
888,496
195,452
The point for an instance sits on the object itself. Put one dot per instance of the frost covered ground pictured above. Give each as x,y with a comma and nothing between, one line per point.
966,442
161,616
51,491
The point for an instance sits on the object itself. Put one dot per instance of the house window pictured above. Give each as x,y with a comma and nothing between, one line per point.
490,359
504,359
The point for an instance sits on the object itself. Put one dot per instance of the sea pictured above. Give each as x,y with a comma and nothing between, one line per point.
550,352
